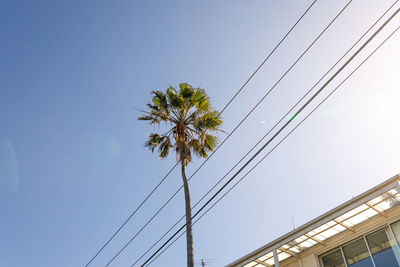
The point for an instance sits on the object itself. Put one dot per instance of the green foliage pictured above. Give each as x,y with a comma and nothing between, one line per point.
154,140
192,118
165,146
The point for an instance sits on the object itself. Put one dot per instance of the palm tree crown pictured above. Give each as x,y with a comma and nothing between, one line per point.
191,117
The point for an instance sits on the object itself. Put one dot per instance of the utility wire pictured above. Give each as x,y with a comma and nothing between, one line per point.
132,214
223,109
284,116
236,127
276,145
260,160
268,152
269,55
285,125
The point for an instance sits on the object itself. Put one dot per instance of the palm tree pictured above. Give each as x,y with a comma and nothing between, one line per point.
191,120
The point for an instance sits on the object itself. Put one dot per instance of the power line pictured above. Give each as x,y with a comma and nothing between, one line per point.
236,127
284,116
132,214
268,153
285,125
223,109
269,55
244,175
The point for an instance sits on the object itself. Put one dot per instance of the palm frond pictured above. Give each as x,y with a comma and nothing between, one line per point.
208,121
165,147
162,115
153,107
153,141
174,99
210,142
160,100
171,93
186,91
202,101
198,148
152,119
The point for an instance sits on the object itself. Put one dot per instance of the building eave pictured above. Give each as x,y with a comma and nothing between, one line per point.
324,218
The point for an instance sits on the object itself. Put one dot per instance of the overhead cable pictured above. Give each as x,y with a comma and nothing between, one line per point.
282,118
285,125
236,127
223,109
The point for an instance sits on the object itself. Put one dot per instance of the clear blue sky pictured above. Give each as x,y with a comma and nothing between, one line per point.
72,161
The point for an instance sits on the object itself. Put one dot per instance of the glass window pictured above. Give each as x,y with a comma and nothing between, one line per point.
335,259
381,249
357,254
396,230
383,245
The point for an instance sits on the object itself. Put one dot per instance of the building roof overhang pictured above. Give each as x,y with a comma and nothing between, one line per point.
365,206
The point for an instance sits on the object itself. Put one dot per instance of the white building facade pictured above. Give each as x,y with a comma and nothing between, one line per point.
363,232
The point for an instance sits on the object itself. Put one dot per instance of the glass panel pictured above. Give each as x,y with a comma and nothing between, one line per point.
330,232
270,261
381,249
251,264
384,205
294,249
283,256
370,213
393,192
396,230
357,254
308,243
339,227
263,258
335,259
377,199
357,219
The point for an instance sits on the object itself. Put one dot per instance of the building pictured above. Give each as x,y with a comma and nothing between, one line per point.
363,232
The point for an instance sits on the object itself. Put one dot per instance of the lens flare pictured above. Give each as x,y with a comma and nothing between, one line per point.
8,167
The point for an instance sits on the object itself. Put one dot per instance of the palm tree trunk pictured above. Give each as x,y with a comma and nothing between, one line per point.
189,232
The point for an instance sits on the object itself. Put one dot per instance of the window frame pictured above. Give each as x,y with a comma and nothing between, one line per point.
363,236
